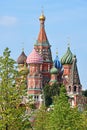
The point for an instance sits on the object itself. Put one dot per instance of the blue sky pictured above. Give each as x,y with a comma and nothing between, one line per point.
65,19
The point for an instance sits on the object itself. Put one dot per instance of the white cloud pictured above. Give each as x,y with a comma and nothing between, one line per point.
8,20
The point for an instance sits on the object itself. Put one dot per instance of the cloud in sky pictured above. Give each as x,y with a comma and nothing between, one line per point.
8,20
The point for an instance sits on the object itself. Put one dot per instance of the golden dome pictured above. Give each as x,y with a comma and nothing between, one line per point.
42,17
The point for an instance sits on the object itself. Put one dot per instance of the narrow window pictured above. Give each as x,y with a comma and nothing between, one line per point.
74,88
69,88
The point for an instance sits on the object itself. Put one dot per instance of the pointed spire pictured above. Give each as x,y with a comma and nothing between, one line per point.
42,34
74,76
42,45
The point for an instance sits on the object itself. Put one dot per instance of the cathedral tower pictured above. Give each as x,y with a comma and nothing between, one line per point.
67,61
70,75
21,60
22,68
74,87
43,47
34,61
54,73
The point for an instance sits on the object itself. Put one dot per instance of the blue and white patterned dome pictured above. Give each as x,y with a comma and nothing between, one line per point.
57,63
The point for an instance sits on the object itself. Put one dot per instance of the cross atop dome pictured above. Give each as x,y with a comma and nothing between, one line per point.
56,51
42,17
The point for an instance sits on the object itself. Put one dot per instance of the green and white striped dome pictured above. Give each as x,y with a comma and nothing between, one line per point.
67,58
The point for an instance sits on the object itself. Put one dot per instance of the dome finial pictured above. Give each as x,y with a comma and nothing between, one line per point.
22,46
68,40
57,51
42,10
42,17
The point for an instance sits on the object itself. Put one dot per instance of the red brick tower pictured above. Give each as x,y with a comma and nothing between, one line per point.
34,60
22,68
71,78
54,73
67,61
74,87
43,47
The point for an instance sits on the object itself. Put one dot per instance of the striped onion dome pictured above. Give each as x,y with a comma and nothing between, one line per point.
22,58
67,58
34,57
57,63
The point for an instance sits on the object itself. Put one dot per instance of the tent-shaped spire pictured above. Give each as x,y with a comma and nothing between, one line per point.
42,45
74,75
42,34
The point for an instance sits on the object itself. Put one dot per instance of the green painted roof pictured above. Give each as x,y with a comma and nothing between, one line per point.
54,70
67,58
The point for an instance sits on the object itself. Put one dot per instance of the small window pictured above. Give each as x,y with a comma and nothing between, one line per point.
74,88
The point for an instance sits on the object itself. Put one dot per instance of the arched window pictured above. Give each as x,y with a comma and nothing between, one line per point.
69,88
74,88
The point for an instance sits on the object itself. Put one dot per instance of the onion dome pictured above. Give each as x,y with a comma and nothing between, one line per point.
22,58
34,57
54,70
42,17
57,63
67,58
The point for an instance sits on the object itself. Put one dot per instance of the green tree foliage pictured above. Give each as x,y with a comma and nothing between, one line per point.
11,93
49,92
47,95
63,117
84,92
41,119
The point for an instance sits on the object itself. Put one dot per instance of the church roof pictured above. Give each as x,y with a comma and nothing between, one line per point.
42,37
34,57
67,58
22,58
42,34
74,75
42,45
57,63
54,70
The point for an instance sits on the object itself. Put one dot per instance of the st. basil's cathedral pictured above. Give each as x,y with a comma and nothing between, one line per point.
42,69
